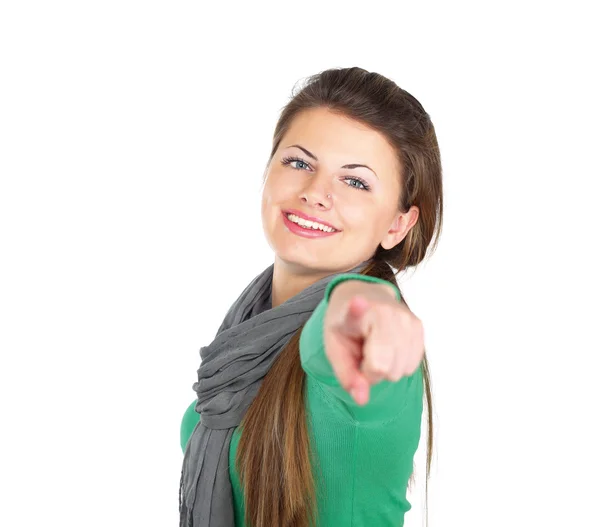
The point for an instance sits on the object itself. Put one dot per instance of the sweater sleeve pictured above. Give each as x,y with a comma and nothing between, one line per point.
190,419
387,399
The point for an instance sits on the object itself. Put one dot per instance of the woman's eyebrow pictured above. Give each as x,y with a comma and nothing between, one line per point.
351,166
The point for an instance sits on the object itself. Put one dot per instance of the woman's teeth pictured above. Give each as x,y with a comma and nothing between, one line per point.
309,224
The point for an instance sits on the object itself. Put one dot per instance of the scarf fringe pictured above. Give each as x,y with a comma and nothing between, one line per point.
185,517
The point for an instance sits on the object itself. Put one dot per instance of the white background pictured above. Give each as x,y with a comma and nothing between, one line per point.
133,138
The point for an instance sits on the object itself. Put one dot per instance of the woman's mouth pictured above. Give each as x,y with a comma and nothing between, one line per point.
309,229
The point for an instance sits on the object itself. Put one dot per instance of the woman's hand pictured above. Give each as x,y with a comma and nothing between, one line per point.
370,336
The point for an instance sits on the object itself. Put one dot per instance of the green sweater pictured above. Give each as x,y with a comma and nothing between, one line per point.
365,452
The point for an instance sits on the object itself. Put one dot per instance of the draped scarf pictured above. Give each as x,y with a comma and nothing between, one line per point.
232,368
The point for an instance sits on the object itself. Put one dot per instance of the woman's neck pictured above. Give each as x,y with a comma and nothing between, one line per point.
289,279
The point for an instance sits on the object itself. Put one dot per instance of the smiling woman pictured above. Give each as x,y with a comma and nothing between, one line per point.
351,183
352,189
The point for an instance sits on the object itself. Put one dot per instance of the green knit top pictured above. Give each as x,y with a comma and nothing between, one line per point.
365,453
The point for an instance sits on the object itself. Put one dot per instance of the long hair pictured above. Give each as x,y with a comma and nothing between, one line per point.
274,454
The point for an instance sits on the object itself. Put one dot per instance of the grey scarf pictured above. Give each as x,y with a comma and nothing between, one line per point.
231,371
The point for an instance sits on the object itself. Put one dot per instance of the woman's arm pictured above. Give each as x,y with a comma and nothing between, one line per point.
387,399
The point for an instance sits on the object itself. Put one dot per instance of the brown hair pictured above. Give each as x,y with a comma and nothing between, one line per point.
274,454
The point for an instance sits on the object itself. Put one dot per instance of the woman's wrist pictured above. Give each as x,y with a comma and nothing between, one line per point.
369,290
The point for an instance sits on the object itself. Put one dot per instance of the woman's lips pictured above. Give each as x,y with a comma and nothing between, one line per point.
306,217
302,231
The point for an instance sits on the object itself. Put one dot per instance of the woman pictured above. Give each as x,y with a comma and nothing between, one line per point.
310,397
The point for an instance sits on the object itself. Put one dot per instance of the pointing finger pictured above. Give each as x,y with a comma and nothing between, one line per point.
344,354
351,323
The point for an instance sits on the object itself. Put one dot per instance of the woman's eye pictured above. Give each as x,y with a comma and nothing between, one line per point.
301,162
362,185
360,182
290,160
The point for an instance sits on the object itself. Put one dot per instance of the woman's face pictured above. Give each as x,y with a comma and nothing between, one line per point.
364,199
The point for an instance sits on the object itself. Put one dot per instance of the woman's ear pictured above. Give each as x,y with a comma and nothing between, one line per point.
401,224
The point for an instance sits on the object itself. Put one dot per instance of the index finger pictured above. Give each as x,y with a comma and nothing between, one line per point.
344,354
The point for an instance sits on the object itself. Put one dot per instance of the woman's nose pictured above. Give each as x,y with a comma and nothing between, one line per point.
317,193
